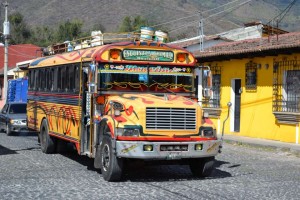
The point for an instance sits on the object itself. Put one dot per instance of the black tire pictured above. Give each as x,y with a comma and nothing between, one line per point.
39,138
48,144
8,131
202,167
111,166
97,159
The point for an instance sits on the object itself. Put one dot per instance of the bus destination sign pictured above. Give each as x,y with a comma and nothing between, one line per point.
149,55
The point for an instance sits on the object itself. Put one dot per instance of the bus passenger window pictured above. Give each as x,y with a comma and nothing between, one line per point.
77,80
63,79
51,84
47,77
42,80
59,86
72,78
36,79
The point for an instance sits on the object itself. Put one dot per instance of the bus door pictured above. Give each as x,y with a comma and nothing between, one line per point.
88,85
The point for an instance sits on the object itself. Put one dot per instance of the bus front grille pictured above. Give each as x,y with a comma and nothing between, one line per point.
170,118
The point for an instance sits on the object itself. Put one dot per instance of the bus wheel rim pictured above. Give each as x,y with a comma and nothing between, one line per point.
106,157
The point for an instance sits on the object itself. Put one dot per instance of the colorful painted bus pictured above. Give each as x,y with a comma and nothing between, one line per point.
120,102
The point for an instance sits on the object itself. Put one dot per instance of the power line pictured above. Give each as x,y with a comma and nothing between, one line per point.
284,12
231,9
220,6
197,14
234,8
175,20
180,27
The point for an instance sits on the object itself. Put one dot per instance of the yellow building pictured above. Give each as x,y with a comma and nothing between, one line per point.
261,78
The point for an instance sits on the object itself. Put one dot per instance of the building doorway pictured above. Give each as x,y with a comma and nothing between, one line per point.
235,117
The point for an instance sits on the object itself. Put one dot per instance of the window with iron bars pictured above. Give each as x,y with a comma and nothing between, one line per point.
251,75
214,100
286,86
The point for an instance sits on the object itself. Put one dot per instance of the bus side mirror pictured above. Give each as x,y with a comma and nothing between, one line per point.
207,83
206,92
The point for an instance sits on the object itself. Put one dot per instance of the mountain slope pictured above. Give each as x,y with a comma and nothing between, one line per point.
162,14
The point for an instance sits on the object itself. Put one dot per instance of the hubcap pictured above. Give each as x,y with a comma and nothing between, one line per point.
105,157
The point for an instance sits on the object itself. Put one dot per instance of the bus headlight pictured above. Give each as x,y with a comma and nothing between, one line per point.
208,132
133,132
117,108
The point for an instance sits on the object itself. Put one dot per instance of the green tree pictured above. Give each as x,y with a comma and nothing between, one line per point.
138,21
97,27
19,31
43,36
130,24
69,30
126,25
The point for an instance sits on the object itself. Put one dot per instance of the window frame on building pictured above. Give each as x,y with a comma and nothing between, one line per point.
251,75
286,91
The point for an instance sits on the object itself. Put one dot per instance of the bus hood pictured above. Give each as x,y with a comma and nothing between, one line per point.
148,111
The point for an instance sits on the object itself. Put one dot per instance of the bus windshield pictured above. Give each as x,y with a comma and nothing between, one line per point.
145,78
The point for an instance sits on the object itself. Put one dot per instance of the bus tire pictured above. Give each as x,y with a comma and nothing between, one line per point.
47,142
202,167
111,166
97,159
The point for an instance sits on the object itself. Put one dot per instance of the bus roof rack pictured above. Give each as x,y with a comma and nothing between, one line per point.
98,38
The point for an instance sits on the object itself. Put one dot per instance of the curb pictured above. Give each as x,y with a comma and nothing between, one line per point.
283,148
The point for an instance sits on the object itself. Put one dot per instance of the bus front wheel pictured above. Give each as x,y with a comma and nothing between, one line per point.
111,166
47,142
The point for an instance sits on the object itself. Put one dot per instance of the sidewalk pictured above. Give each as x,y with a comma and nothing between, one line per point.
283,146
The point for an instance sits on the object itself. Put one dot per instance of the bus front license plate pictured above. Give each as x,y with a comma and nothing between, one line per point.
173,156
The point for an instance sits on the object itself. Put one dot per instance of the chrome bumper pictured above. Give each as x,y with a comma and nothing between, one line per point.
134,149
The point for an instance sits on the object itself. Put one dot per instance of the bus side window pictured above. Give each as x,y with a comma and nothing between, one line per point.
71,78
65,79
43,80
55,79
77,78
58,76
51,84
47,80
36,79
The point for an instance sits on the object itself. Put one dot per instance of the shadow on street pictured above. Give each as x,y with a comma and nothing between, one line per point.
143,172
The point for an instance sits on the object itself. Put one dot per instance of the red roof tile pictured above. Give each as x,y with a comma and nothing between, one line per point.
19,53
285,41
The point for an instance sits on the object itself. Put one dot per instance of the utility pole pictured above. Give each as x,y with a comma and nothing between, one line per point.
6,36
199,71
201,36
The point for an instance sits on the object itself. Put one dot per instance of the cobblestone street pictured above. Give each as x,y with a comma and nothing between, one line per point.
242,173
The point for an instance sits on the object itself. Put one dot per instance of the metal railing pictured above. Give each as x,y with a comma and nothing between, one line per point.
286,86
97,40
